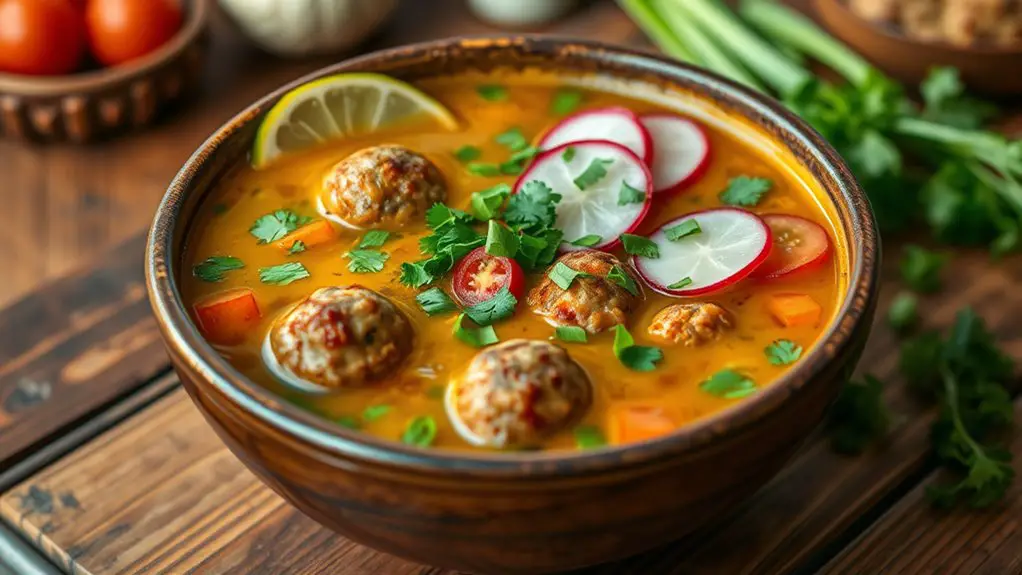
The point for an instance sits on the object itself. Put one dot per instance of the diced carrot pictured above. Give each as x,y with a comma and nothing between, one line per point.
318,232
795,309
631,423
226,317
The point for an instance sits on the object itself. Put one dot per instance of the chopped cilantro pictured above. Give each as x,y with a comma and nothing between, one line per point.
920,268
589,437
500,306
366,261
476,337
274,226
373,239
745,191
783,352
440,215
587,241
212,269
486,203
483,169
515,165
568,154
594,172
374,412
640,246
634,357
534,205
296,248
538,250
492,92
501,241
571,334
513,139
420,432
622,278
415,275
467,154
452,238
630,195
682,283
435,301
689,227
562,275
349,421
947,102
728,384
565,101
903,313
283,274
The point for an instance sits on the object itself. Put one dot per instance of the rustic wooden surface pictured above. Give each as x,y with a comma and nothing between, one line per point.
159,493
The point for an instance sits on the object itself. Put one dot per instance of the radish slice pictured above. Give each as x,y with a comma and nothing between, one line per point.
682,151
731,244
593,209
618,125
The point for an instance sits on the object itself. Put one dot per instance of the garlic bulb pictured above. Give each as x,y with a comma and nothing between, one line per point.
303,27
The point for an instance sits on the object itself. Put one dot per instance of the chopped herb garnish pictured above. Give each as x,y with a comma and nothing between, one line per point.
533,206
373,239
565,101
728,384
783,352
686,228
630,195
283,274
903,313
859,416
452,238
568,154
349,421
366,261
562,275
466,154
483,169
500,306
435,301
640,246
513,139
538,250
682,283
587,241
622,278
374,412
420,432
296,248
634,357
920,268
515,165
501,241
212,269
476,337
594,172
745,191
492,92
272,227
486,203
415,275
571,334
589,437
440,215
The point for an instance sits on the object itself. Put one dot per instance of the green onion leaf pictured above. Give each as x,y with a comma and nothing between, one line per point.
640,246
483,169
565,101
562,275
374,412
630,195
478,337
682,283
420,432
568,154
686,228
587,241
492,92
571,334
594,172
624,279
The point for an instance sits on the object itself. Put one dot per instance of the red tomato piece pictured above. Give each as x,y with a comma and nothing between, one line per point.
40,37
798,244
479,276
227,317
123,30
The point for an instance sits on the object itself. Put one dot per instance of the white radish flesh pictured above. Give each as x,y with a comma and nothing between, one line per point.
682,151
617,125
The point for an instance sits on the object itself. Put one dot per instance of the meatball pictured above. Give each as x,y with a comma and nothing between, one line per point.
518,392
341,337
382,187
691,324
592,301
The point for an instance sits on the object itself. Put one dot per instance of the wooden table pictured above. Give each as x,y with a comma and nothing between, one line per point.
106,468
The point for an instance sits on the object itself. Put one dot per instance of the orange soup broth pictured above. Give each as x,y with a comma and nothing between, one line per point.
418,388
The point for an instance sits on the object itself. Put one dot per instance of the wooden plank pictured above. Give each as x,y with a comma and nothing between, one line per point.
162,493
915,539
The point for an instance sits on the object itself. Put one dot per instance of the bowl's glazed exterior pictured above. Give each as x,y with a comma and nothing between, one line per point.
525,512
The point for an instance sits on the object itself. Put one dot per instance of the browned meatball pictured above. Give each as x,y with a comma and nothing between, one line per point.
691,324
518,392
341,337
592,302
382,187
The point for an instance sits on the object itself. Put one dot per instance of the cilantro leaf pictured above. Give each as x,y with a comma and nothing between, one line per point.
283,274
745,191
513,139
414,275
589,437
682,283
630,195
467,154
486,203
534,205
274,226
562,274
568,154
783,352
500,306
366,261
594,172
903,313
420,432
565,101
920,268
515,165
689,227
587,241
477,337
729,384
440,215
619,276
486,170
500,241
538,250
435,301
571,334
640,246
947,103
492,92
874,155
373,239
859,416
374,412
296,248
634,357
213,269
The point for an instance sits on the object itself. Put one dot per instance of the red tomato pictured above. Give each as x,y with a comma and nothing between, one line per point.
122,30
479,276
40,37
798,244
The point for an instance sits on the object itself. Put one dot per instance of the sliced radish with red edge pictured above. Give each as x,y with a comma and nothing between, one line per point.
798,244
593,210
731,244
682,151
618,125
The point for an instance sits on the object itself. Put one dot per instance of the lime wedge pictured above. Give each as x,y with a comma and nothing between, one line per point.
339,106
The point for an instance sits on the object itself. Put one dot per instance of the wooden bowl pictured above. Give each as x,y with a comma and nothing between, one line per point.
95,104
991,70
528,512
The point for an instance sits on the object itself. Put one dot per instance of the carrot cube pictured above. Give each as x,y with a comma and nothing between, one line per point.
795,309
318,232
225,318
632,423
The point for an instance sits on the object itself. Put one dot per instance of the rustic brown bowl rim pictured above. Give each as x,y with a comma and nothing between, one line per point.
318,434
890,32
196,18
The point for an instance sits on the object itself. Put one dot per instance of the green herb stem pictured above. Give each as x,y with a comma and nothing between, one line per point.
951,398
654,26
